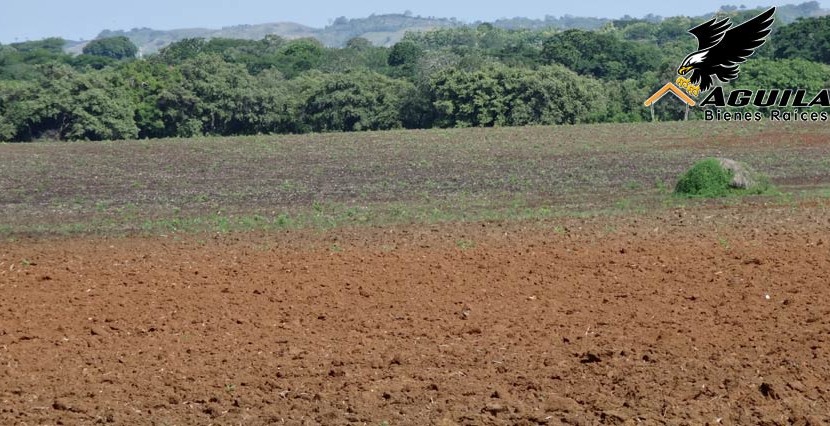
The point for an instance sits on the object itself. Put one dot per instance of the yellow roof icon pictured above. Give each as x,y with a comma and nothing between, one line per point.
669,87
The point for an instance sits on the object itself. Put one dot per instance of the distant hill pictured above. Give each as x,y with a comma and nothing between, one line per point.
381,30
386,30
150,40
785,15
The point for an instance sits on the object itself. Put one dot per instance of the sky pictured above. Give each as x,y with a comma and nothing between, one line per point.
22,20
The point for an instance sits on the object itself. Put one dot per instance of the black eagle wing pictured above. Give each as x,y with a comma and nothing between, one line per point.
710,32
738,44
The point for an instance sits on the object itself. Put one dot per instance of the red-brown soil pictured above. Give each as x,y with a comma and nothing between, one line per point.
710,316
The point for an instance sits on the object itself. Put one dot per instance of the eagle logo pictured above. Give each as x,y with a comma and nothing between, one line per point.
721,48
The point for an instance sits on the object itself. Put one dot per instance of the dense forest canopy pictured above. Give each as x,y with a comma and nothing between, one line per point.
482,75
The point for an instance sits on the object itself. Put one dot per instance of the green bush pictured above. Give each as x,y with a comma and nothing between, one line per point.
705,179
719,177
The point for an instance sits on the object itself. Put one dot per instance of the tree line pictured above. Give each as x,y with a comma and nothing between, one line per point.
458,77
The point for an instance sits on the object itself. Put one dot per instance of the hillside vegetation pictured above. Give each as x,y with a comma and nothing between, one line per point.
459,76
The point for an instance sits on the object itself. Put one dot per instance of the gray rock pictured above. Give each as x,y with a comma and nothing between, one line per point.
743,177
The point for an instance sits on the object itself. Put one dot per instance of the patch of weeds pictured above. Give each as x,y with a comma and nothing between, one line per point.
201,198
335,248
250,222
283,220
633,185
223,224
674,203
623,204
129,210
168,224
397,212
823,193
292,186
543,212
351,212
705,179
723,242
786,199
432,185
75,228
465,244
147,226
515,181
661,186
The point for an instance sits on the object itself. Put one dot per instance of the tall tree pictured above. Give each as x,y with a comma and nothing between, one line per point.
358,100
502,96
601,55
807,39
67,105
117,48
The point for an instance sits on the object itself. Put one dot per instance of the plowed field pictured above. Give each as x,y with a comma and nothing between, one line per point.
535,276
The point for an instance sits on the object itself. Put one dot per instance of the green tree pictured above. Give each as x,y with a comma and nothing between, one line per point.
499,96
644,31
215,97
417,110
404,54
806,39
353,101
601,55
256,55
275,105
183,50
673,29
13,113
765,74
91,61
300,55
117,48
358,43
365,57
66,105
51,45
18,60
210,98
146,81
761,73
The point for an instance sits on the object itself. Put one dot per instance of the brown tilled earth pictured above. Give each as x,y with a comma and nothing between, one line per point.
716,315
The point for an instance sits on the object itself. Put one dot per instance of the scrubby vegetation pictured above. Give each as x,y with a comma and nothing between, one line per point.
705,179
718,177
